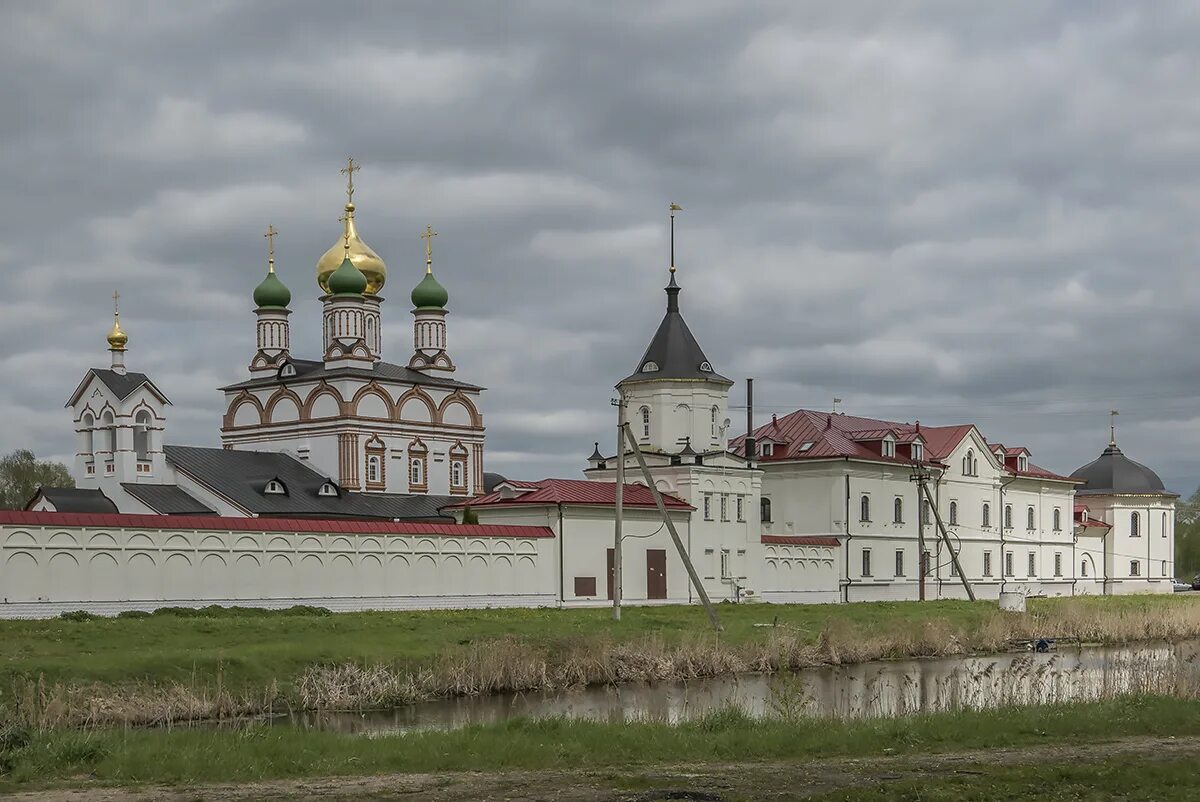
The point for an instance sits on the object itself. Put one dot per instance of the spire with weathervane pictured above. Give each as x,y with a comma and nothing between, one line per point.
429,300
271,299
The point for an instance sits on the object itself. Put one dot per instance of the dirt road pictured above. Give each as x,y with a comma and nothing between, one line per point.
704,783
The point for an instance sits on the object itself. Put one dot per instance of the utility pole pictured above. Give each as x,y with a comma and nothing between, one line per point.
662,510
921,477
921,502
620,504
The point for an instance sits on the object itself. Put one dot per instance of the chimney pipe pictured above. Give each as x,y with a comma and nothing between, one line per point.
750,444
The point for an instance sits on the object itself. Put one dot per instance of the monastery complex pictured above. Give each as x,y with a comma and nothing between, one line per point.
344,480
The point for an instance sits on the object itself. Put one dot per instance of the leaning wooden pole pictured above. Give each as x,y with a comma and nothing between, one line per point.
683,555
937,516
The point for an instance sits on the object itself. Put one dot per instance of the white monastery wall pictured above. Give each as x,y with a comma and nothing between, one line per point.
48,569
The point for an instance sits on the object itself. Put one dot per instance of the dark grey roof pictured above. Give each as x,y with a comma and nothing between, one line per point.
1113,472
309,370
122,385
490,480
167,499
596,456
240,476
674,350
74,499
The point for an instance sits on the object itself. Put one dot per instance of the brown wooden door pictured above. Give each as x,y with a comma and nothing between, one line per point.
656,573
610,573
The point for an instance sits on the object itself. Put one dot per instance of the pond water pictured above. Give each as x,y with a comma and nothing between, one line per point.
885,688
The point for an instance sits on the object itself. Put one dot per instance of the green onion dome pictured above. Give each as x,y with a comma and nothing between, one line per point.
347,279
272,293
429,294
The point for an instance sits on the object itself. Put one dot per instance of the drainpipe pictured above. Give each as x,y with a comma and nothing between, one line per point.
562,577
846,560
1003,526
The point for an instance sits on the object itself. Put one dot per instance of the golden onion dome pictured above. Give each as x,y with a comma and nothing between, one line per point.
117,339
361,256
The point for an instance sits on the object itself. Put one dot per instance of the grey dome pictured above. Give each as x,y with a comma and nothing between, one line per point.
1113,472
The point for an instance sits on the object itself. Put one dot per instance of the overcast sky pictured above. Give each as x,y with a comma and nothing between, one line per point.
944,211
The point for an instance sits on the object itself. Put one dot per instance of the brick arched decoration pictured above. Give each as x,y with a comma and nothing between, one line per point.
322,389
459,397
244,397
279,395
373,388
424,397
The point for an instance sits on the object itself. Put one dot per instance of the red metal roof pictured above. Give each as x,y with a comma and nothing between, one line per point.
577,491
217,523
801,540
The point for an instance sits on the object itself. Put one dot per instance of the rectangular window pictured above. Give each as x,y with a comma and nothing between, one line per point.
926,562
953,568
724,506
768,449
987,563
1164,567
1008,563
708,561
708,506
1135,568
1032,565
866,562
725,564
1058,563
899,562
741,508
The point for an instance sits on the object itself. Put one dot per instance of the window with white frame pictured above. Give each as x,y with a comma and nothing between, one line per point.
456,473
866,562
1164,524
767,449
1022,463
1164,567
645,423
889,447
416,471
715,431
373,468
275,488
725,572
968,463
918,452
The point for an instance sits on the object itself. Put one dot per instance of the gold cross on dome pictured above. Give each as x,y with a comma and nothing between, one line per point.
270,235
428,236
349,170
116,302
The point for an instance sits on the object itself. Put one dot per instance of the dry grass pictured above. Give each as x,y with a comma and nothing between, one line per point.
514,664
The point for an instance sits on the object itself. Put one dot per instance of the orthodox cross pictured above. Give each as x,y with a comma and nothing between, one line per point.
674,207
428,236
270,235
116,303
349,170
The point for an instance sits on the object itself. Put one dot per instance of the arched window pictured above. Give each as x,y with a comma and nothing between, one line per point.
645,422
141,436
864,508
1029,516
416,471
1008,516
986,517
1135,525
1164,524
109,441
898,511
456,473
925,516
373,468
953,513
1083,568
89,435
764,505
714,422
1057,519
969,463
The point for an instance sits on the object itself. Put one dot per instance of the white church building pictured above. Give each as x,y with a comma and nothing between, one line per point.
343,481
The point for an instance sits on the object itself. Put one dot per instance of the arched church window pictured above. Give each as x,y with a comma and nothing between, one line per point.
141,436
986,516
646,422
456,473
953,513
864,508
89,435
373,469
1164,524
109,441
898,511
1029,518
715,412
416,471
1135,521
1008,516
969,463
764,505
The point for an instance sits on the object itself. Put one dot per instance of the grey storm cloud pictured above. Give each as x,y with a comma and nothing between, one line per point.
938,211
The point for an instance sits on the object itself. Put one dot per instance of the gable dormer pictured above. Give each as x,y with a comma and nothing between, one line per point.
509,490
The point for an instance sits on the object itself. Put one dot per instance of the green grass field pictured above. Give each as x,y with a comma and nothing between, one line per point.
198,756
253,647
